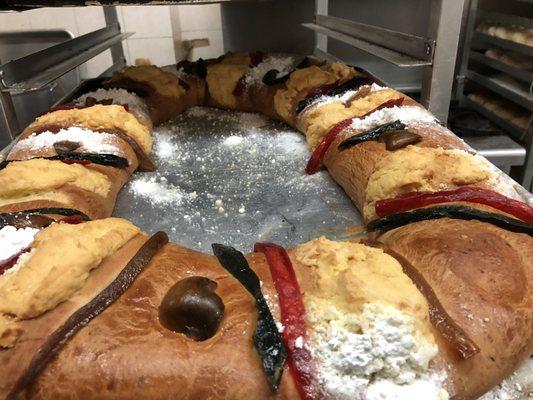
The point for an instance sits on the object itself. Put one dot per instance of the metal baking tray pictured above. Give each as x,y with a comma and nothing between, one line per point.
235,178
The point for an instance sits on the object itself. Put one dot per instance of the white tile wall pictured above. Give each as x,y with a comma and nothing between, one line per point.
198,22
146,22
160,51
158,30
200,17
46,18
14,21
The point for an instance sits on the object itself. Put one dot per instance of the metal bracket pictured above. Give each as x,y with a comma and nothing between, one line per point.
38,69
402,49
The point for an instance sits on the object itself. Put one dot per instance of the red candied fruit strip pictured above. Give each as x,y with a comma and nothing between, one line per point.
314,163
72,219
412,200
292,311
11,261
320,90
239,87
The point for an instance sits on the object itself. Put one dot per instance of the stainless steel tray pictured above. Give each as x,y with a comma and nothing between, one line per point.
235,178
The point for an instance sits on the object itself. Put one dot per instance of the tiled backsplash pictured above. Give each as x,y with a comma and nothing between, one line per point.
159,30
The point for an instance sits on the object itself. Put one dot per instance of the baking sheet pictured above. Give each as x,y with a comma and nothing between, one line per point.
235,178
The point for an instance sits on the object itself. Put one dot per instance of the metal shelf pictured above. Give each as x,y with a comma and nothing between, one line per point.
20,5
38,69
500,150
521,74
514,130
502,43
399,48
521,98
508,19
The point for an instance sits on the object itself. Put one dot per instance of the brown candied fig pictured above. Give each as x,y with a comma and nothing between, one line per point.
65,146
395,140
90,101
24,220
193,308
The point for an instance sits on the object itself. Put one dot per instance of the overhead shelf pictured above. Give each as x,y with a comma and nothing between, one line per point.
521,74
39,69
401,49
483,38
29,4
520,97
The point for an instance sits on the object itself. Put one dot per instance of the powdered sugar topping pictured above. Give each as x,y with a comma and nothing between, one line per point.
283,65
406,114
344,96
92,142
13,240
119,96
377,354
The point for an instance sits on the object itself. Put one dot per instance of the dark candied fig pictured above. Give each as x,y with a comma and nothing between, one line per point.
24,220
271,77
193,308
395,140
186,66
90,101
201,68
304,63
66,146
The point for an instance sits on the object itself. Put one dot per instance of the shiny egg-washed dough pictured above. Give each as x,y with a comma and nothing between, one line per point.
52,272
163,82
23,178
99,117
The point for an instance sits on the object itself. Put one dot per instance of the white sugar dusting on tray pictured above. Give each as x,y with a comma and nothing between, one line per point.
234,178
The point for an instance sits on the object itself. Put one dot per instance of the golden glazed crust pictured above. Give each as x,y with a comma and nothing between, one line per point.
166,93
490,302
224,367
35,331
483,276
